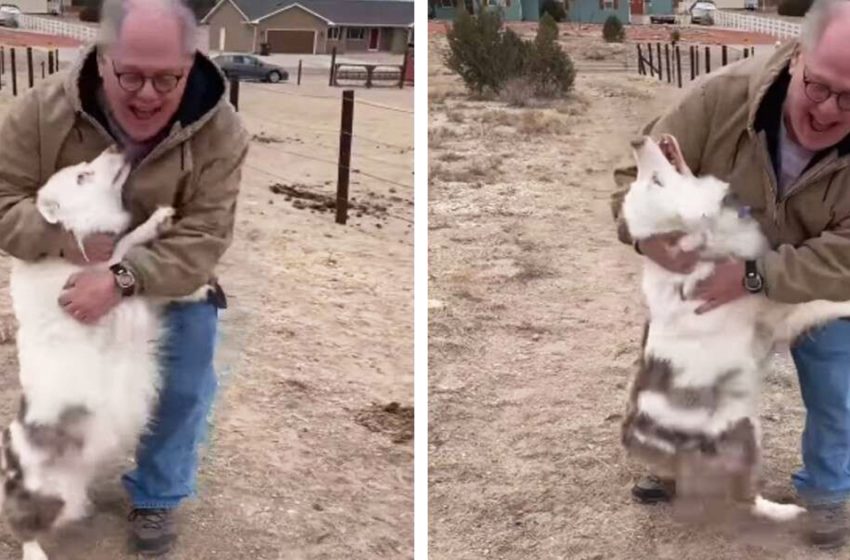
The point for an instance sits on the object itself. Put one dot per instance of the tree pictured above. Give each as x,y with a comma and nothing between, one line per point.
557,10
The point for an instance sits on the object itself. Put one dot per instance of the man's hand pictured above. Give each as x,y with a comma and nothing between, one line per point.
89,295
98,246
725,284
663,249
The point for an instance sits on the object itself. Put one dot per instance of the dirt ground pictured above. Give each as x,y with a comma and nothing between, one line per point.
311,454
535,323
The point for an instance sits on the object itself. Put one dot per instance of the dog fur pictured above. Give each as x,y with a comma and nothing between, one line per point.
692,413
88,390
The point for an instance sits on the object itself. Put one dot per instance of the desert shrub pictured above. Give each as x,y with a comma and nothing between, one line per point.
557,10
613,31
797,8
487,57
549,68
475,48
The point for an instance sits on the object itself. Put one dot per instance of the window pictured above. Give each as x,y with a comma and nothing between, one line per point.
334,33
447,3
609,4
357,33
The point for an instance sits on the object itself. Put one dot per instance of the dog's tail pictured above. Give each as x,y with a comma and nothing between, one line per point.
775,511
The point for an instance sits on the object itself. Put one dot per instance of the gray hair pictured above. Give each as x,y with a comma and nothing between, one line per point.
113,13
816,20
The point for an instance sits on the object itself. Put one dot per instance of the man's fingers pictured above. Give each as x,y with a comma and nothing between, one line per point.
707,306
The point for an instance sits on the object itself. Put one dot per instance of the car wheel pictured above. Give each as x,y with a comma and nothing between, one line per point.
274,76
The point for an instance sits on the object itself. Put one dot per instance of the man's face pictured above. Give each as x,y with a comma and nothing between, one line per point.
144,73
820,123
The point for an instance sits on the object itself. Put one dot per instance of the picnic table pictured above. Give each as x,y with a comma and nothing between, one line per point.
370,71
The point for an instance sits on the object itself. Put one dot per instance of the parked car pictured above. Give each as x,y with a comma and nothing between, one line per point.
751,5
702,13
9,15
662,18
244,66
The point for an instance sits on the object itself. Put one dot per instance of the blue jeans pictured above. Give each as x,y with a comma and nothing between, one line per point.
167,457
823,367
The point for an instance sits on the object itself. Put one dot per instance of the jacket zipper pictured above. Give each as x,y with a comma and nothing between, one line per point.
772,182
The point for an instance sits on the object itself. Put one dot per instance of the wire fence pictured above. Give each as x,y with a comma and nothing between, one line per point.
678,64
22,67
348,161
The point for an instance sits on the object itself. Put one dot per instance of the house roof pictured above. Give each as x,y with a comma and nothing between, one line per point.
337,12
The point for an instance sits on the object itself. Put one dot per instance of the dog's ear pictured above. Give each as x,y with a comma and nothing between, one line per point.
670,147
48,208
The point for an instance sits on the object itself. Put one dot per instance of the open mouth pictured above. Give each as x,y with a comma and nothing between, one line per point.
144,114
817,126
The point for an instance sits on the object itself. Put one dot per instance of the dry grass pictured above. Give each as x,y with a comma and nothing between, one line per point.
478,170
438,135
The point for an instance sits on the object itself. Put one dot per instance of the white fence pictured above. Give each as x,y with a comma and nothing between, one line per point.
53,26
87,33
771,26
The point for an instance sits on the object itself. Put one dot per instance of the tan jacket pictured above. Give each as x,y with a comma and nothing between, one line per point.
727,126
196,168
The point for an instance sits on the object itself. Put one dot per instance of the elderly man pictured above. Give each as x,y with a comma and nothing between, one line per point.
144,87
777,128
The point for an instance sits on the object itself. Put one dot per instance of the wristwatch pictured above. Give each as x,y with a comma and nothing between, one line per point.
124,279
753,281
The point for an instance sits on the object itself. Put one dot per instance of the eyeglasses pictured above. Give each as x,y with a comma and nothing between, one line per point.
135,81
819,93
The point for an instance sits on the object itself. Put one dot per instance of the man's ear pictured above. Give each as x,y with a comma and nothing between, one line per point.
49,209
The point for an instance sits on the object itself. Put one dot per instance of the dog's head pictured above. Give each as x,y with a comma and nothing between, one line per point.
666,196
84,197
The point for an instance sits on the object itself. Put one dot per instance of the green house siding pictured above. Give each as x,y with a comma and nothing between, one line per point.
589,11
514,12
530,10
659,6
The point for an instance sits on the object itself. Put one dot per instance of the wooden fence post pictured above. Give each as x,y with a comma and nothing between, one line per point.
14,73
345,136
725,55
708,60
667,58
403,68
30,74
651,64
50,62
660,69
299,71
42,70
679,65
333,67
234,93
641,67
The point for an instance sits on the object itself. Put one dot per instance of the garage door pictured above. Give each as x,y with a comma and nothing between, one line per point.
291,41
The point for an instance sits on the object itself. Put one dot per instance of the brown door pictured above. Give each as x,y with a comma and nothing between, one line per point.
291,41
637,7
374,39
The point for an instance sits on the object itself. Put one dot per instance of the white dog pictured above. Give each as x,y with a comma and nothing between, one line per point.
693,407
88,390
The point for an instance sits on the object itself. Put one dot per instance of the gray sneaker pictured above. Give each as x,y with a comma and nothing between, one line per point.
153,531
828,525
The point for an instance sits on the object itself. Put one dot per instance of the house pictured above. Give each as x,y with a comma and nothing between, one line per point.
642,9
310,26
597,11
512,10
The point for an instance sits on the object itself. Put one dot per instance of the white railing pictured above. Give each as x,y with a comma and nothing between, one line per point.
770,26
52,26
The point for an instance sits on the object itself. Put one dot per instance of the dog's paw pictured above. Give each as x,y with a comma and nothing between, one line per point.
163,217
33,551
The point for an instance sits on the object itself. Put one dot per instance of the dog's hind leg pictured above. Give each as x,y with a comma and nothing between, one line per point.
33,551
